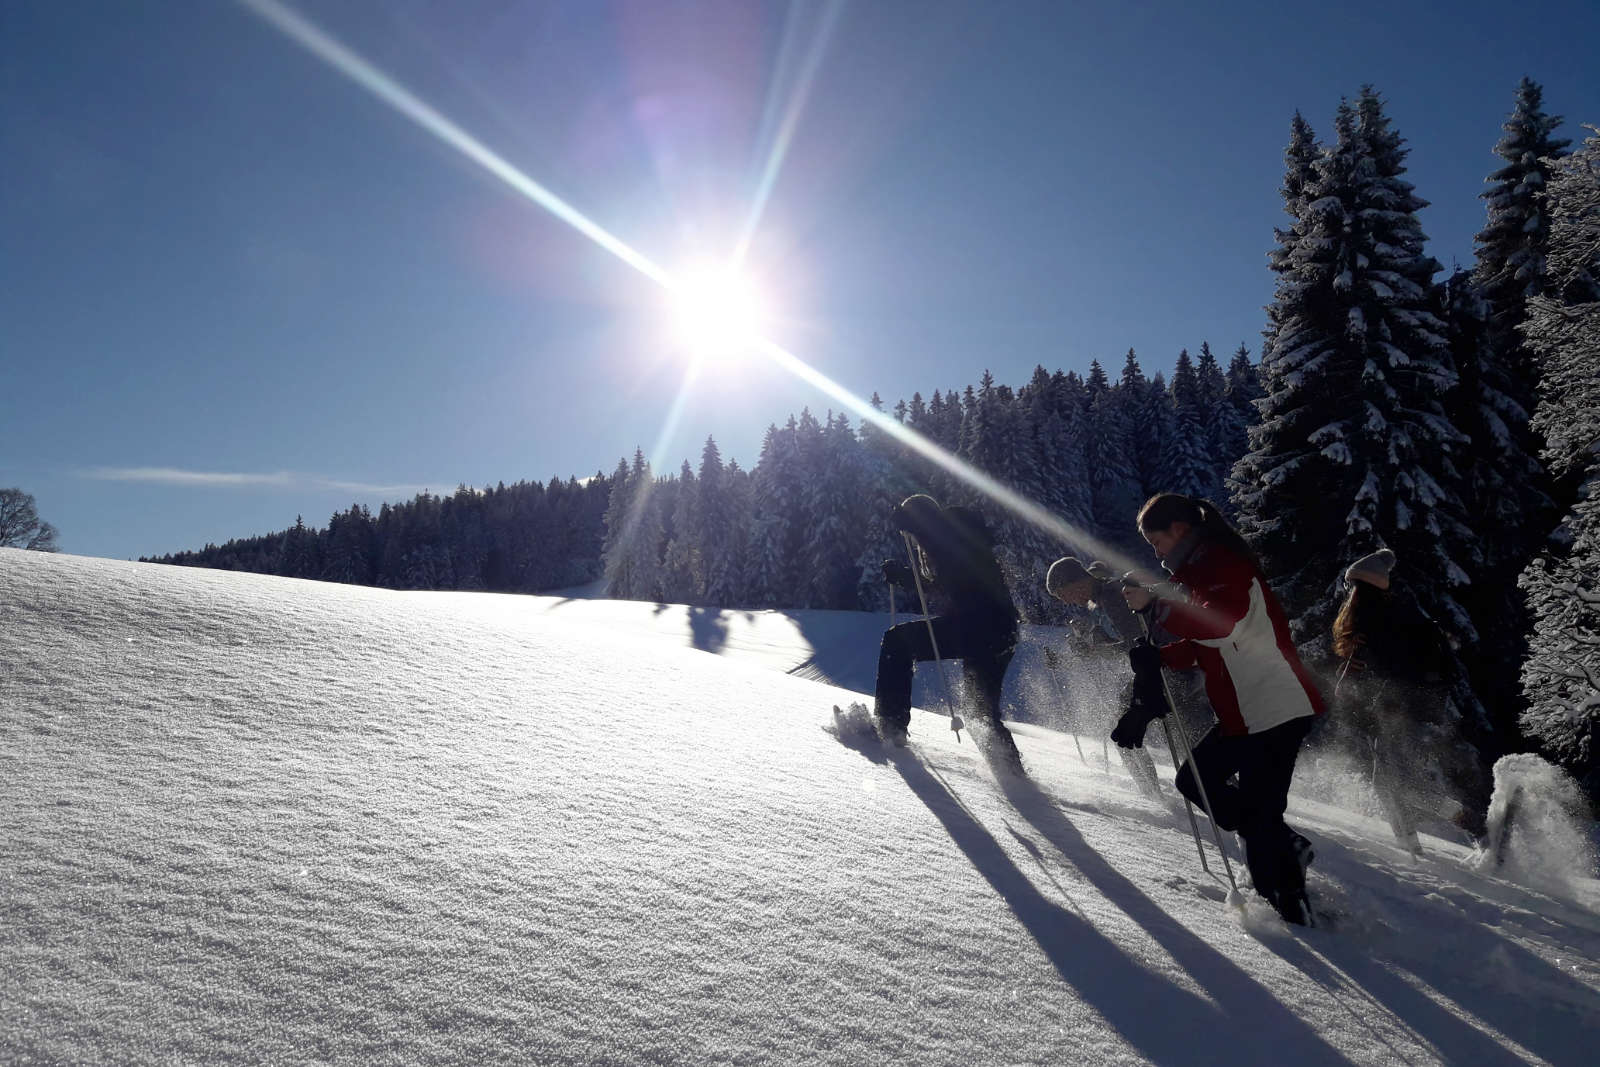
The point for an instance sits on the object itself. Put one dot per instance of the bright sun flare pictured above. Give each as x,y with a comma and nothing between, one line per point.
717,314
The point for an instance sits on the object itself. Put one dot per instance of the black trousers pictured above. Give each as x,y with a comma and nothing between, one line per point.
1254,807
982,643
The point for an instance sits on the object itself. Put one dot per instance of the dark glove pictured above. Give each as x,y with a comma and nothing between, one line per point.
1144,658
1129,731
896,572
1146,703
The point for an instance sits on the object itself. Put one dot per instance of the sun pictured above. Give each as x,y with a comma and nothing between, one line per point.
717,313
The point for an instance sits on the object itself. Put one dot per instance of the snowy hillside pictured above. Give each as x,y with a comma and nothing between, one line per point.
263,820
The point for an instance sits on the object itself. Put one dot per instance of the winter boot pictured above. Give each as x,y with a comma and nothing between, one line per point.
892,731
1303,853
1294,907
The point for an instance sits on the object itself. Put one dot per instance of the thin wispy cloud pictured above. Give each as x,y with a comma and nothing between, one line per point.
173,476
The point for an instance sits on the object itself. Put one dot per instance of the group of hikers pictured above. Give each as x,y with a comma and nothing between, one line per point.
1214,612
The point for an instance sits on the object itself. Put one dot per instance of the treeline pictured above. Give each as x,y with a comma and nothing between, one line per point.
521,538
807,528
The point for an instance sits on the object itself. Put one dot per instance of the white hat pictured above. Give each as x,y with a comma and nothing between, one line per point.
1373,569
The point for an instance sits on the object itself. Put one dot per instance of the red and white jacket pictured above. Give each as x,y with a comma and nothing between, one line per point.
1233,628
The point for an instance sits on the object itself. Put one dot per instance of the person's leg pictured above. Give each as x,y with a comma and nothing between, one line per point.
1218,758
902,647
985,671
1264,778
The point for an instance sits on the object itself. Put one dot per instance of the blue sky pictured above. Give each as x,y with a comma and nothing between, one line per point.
235,286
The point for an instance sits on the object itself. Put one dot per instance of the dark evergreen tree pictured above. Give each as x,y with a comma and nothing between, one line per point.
1512,245
1147,443
1354,449
1210,388
833,507
1187,465
300,556
1242,392
682,575
776,523
619,526
1300,161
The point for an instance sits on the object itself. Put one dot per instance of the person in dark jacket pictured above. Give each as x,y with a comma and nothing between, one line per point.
1231,625
1098,588
1394,687
976,621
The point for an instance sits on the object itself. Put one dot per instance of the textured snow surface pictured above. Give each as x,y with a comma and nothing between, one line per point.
251,819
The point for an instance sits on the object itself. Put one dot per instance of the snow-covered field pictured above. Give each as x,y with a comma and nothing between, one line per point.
260,820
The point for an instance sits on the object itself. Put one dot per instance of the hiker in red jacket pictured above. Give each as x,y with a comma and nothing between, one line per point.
1232,627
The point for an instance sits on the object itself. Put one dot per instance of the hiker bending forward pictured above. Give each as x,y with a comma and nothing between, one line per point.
1232,627
976,623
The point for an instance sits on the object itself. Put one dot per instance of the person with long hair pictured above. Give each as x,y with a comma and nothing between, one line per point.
1229,624
956,565
1392,687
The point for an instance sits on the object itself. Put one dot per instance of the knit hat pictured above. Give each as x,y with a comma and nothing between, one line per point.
1373,569
917,513
1064,572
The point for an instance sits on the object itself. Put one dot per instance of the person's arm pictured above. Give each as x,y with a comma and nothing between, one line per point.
1179,656
1219,597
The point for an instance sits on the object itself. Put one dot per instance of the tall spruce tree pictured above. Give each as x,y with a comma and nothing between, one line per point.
1561,677
1145,442
835,517
1299,177
777,527
1113,479
1507,490
1065,446
1210,386
618,563
682,579
1187,465
1512,244
1354,450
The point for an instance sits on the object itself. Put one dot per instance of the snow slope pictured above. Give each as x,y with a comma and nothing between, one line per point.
262,820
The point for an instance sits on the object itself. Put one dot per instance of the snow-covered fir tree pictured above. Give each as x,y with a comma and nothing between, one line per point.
681,568
1561,677
776,525
719,530
1507,488
1157,421
1299,174
1067,472
1238,414
1354,450
634,533
613,547
1512,244
1210,386
834,510
1188,464
1146,442
1113,479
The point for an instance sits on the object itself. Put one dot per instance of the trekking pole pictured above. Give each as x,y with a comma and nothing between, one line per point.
1194,769
944,684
